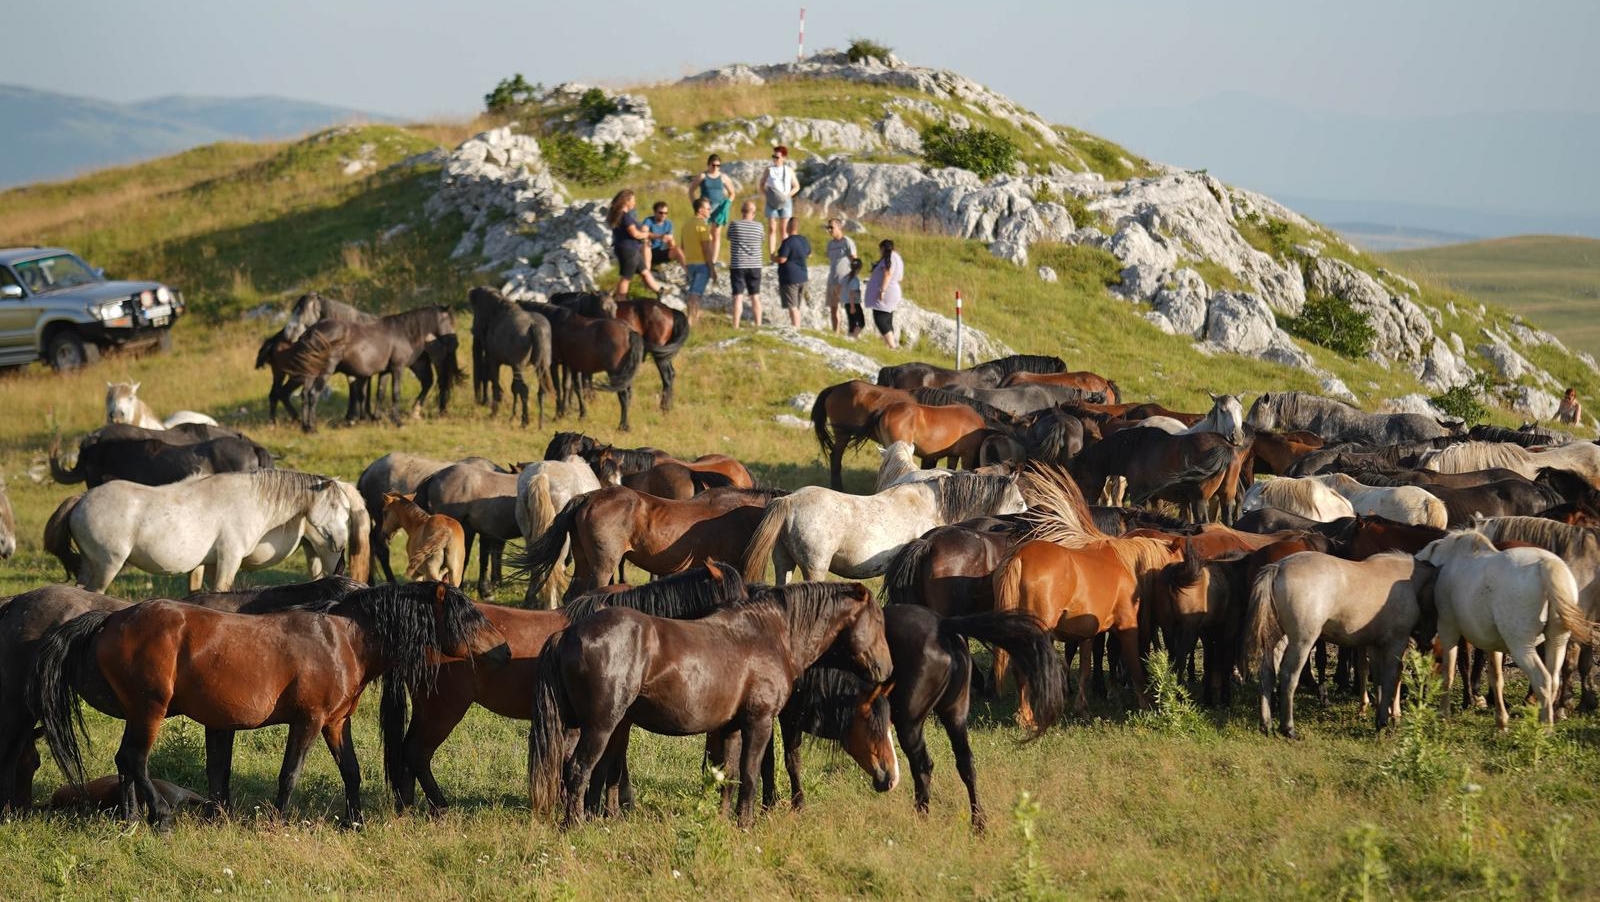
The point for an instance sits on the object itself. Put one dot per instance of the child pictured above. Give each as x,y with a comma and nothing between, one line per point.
850,293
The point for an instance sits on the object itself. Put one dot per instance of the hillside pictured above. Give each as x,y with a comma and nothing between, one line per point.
1553,280
56,135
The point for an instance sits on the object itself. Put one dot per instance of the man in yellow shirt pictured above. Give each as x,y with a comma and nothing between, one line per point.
699,258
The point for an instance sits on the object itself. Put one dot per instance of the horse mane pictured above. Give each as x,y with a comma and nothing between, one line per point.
309,355
632,460
318,596
585,303
1056,508
763,493
565,444
1379,479
1468,456
401,617
1301,491
283,490
1185,573
678,596
1340,482
1023,363
1484,432
939,397
962,496
825,698
806,606
898,461
1567,542
418,322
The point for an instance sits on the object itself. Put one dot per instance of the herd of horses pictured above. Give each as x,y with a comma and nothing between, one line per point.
1236,538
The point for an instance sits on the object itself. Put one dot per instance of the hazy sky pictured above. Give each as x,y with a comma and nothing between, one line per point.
1067,60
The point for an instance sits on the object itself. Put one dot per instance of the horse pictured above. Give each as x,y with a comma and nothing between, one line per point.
154,462
933,675
1401,503
1077,581
1303,497
508,691
1526,436
564,445
665,330
483,502
436,546
1581,458
984,375
1506,602
900,465
419,340
1020,400
503,334
1081,379
584,345
123,406
821,531
8,523
1337,421
1199,597
543,488
230,521
1376,604
730,671
308,310
1505,498
401,473
150,661
1226,418
1275,452
1053,436
616,524
954,433
312,308
273,355
947,568
1188,469
664,480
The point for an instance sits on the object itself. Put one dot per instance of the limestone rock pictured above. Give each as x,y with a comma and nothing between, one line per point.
791,421
1182,300
1532,402
1412,403
1334,387
1242,323
1046,274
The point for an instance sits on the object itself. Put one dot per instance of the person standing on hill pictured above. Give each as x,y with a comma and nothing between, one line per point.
883,290
744,269
842,260
700,259
792,273
718,189
850,296
779,185
627,240
1571,409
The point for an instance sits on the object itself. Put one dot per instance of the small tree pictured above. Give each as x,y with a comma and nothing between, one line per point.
1333,323
595,105
863,49
977,149
575,159
1465,401
511,95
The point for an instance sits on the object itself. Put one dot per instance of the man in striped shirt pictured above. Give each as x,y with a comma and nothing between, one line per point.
744,269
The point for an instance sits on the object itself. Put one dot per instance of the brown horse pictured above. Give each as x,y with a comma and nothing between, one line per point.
637,460
436,546
664,329
949,567
229,672
840,415
984,375
1078,581
1082,379
657,535
954,433
729,672
584,345
669,479
1274,452
1191,470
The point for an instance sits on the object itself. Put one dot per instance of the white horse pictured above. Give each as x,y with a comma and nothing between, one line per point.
1305,497
8,523
1226,417
229,521
899,466
1582,458
544,488
1402,504
1505,602
124,406
1166,424
1373,604
820,530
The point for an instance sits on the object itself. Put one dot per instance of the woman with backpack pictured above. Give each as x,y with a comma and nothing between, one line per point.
779,185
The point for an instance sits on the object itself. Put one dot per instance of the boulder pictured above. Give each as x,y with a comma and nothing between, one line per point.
1334,387
1532,402
1403,330
1046,274
1182,299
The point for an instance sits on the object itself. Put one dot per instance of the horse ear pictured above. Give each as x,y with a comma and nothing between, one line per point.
713,571
1213,397
440,590
135,389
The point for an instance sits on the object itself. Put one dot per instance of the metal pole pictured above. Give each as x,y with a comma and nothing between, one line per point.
800,50
958,329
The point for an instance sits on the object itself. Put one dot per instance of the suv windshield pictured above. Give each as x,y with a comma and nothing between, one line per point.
55,273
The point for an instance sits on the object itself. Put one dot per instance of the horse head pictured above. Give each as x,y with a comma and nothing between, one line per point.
328,523
867,738
1263,415
122,402
863,640
307,311
463,631
1227,417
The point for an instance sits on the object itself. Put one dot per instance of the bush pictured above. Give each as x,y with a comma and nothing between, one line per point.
1465,401
862,49
577,160
511,94
594,105
1420,757
1171,710
978,150
1333,323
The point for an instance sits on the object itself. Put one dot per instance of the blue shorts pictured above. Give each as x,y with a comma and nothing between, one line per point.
699,277
784,212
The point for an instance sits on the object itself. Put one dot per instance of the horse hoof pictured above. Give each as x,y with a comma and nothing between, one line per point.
1290,733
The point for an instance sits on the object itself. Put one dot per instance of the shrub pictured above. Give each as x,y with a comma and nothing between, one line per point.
1171,710
976,149
511,94
595,105
1420,757
1333,323
577,160
862,49
1465,401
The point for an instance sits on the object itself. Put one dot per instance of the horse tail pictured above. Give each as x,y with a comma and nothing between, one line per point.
541,556
1435,512
675,341
900,580
358,553
819,419
868,433
1041,679
1261,616
759,551
62,474
1007,584
392,732
58,536
547,734
1116,391
1215,461
54,693
435,543
1562,591
622,379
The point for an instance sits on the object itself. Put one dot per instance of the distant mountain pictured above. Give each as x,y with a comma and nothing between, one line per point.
52,136
1482,174
1377,236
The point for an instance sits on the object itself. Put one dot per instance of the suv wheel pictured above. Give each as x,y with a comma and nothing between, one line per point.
67,351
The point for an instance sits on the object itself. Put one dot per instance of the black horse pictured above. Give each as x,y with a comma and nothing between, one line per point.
154,462
421,340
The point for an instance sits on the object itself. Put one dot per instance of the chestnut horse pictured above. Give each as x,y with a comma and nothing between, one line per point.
637,460
1274,452
657,535
583,345
228,672
436,545
669,479
1080,379
954,433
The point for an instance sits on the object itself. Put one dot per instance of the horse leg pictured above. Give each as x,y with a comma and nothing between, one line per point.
912,741
668,376
1087,654
1267,680
836,464
1359,663
197,579
219,769
301,735
592,743
423,738
16,741
1294,658
955,726
343,749
1497,684
791,764
488,566
1555,652
1588,700
624,398
755,735
1128,639
1448,638
227,570
519,394
394,394
133,765
1320,656
1386,671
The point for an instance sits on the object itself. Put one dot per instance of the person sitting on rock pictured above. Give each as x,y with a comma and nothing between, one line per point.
1571,409
663,246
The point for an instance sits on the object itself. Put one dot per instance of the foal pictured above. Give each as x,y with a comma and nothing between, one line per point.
436,545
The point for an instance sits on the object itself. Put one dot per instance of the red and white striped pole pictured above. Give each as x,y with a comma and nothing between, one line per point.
958,329
800,49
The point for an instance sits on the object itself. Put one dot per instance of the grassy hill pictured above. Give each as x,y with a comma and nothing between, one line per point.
1128,807
1550,279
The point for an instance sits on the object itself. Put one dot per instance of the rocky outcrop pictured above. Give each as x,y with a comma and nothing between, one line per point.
631,124
1241,323
1532,403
